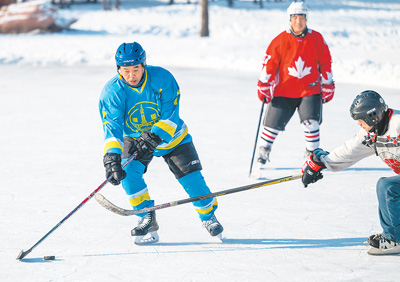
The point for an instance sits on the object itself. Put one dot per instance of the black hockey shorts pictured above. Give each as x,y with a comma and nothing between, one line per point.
281,110
183,160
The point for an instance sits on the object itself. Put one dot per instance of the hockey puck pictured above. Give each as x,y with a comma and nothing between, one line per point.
49,258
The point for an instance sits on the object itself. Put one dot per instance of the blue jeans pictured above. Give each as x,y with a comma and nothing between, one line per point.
388,191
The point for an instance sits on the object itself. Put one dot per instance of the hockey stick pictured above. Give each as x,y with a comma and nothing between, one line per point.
115,209
23,254
255,143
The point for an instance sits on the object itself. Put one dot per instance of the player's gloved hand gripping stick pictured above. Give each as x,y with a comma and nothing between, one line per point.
312,167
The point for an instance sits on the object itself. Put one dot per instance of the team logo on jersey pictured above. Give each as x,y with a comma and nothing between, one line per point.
264,75
299,70
142,116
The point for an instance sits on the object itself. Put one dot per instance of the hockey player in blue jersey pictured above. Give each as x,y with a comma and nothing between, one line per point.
139,108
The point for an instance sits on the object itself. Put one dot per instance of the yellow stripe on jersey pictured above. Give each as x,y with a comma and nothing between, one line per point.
176,100
138,198
104,116
208,208
167,125
176,141
112,143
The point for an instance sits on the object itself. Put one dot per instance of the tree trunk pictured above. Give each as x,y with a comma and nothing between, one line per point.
204,19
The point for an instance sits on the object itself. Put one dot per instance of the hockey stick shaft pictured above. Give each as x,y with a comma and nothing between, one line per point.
22,254
255,143
111,207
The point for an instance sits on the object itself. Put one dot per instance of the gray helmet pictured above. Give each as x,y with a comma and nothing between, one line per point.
297,8
368,106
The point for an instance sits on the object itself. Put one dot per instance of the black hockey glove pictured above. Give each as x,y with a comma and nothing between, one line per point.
145,145
112,163
312,168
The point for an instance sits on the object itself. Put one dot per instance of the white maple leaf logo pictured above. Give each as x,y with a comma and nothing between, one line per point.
299,70
264,76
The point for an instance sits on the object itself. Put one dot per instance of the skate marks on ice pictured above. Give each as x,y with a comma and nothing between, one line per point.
234,245
152,238
268,173
278,243
292,243
368,169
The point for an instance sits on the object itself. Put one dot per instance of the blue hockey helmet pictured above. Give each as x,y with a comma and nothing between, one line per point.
130,54
368,106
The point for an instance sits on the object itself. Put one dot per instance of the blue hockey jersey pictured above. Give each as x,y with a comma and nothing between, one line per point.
154,106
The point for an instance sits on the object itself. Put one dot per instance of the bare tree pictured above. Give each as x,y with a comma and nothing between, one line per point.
204,19
107,4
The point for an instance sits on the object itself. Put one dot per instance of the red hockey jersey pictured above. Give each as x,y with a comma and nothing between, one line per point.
297,66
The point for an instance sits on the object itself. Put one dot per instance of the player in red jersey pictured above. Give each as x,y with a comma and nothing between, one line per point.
296,74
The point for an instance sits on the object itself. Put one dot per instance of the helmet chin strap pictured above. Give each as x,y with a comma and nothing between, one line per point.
380,128
376,137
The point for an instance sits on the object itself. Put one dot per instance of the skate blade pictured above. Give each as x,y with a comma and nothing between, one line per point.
382,252
218,238
256,173
150,238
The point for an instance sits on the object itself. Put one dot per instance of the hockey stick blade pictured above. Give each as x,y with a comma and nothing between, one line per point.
120,211
23,254
115,209
109,206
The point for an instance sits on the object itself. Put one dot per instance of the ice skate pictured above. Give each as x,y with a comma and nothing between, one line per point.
256,171
263,157
146,230
308,153
214,227
380,245
261,161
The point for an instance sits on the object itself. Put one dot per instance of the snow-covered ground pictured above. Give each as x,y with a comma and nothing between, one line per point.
51,153
363,35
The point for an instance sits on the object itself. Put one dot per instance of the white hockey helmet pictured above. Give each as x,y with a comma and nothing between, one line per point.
297,8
